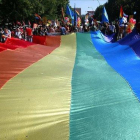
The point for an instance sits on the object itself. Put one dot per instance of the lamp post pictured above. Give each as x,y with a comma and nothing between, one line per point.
98,2
91,8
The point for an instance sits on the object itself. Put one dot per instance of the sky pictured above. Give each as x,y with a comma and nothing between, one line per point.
84,4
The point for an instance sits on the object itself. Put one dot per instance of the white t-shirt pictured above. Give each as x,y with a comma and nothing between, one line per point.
8,34
112,28
18,34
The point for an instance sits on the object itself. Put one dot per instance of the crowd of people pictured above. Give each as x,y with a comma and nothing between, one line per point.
120,31
26,32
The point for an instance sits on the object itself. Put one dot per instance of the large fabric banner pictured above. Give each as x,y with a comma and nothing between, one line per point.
75,87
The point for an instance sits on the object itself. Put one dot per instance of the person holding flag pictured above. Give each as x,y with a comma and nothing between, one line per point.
122,23
117,30
105,21
86,20
123,17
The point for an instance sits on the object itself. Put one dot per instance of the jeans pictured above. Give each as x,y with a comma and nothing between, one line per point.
29,38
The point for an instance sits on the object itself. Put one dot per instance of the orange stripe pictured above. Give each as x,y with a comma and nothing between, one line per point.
48,41
13,62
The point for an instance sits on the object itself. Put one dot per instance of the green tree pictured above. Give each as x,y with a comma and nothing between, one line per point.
98,13
13,10
113,8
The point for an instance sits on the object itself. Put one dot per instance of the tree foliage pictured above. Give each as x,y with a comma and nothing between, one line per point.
13,10
113,9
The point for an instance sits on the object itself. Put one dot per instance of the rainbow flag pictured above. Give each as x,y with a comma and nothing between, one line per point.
73,87
37,16
121,12
77,13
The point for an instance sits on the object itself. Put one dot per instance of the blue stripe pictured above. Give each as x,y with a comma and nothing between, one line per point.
121,58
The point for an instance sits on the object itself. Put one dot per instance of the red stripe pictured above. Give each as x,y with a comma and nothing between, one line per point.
14,43
2,49
13,62
18,43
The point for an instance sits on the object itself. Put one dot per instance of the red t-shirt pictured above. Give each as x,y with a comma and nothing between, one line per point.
29,31
12,33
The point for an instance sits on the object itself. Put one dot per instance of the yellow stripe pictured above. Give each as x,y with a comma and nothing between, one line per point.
35,105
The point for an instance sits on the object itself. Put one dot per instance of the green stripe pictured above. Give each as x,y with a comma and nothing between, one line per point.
103,106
